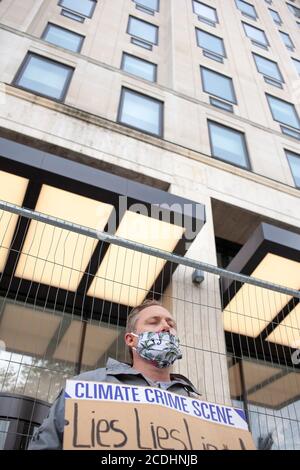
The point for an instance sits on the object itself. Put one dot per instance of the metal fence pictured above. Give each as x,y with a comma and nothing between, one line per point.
66,291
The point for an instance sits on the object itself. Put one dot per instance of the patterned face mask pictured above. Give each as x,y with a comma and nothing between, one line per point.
162,349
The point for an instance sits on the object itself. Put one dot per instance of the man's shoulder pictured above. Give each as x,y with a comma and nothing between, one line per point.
95,375
113,368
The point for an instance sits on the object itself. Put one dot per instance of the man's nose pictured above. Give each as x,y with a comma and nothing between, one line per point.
165,326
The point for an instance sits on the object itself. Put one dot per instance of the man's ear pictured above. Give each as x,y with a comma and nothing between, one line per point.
129,339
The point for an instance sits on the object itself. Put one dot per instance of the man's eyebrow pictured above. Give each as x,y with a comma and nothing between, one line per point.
157,317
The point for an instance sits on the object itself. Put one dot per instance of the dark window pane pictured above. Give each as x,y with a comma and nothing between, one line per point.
217,84
210,42
205,11
84,7
275,16
139,67
72,16
4,425
141,112
228,144
151,4
267,67
256,34
297,65
294,161
287,40
246,8
143,30
44,76
62,37
283,112
294,10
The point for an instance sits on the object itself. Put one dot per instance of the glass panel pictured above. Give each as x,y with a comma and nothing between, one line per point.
205,11
72,16
275,16
43,347
294,161
221,104
151,4
267,67
297,65
62,37
228,144
84,7
45,77
143,30
290,132
283,112
255,34
95,352
28,367
4,425
141,43
273,401
287,40
217,84
141,112
139,67
246,8
210,42
294,10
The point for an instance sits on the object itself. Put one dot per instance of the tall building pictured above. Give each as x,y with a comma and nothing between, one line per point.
190,107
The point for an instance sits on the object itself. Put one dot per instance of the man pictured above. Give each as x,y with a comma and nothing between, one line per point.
154,347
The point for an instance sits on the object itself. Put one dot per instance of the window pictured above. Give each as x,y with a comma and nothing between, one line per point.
257,36
228,144
205,13
84,7
141,112
220,86
297,64
246,8
294,161
139,67
44,76
72,16
4,425
294,10
144,34
287,40
269,69
285,113
63,37
275,16
213,46
148,6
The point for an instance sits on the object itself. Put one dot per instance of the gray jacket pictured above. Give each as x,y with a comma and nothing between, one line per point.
50,434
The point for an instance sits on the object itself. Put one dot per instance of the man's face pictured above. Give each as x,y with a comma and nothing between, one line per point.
154,318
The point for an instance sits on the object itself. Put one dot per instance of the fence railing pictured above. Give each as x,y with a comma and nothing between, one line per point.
65,293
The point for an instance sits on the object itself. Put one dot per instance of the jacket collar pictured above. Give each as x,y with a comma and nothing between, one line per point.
114,367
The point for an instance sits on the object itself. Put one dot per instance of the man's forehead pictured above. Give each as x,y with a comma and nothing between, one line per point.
155,311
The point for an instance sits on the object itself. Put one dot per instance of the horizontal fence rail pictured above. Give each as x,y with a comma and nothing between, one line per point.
66,291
